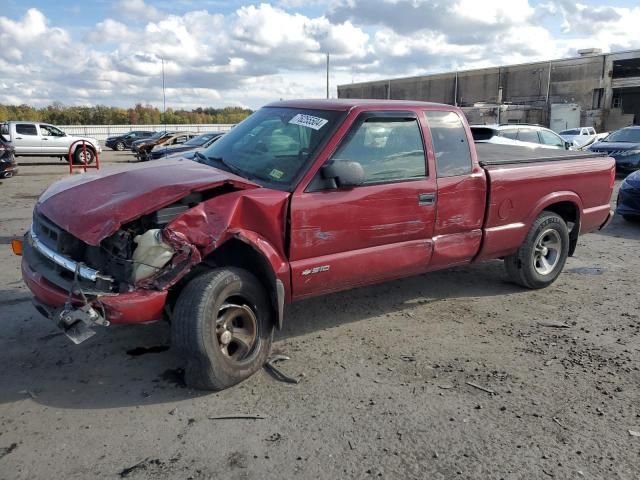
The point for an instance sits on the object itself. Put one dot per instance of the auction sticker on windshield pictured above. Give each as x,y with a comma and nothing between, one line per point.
309,121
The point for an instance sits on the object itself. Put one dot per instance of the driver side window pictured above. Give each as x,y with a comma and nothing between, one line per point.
389,149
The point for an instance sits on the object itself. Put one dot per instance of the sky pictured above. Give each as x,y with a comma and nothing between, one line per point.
242,53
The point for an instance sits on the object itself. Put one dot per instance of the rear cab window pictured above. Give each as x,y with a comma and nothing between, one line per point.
450,143
26,129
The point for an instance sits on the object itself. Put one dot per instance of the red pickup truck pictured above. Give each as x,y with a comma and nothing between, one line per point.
302,198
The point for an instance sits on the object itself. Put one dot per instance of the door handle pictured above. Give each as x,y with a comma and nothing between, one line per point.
18,138
45,139
426,199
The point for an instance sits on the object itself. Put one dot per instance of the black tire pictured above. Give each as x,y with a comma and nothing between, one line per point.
119,146
213,363
632,218
526,267
78,155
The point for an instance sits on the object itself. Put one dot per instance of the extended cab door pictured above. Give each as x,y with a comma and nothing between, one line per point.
348,236
461,187
27,139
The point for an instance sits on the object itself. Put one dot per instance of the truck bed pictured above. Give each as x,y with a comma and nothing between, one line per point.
497,154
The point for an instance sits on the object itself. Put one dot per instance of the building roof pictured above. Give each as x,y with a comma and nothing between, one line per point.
474,70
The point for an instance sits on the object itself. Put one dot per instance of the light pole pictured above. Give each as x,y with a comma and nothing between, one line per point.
327,74
164,98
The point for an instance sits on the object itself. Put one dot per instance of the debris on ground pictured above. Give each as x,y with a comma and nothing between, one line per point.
559,423
238,417
554,324
479,387
7,450
276,372
633,433
141,465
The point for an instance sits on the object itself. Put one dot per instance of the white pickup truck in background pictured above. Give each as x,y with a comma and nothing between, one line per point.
582,137
44,140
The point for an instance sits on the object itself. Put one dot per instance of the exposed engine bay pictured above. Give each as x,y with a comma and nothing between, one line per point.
129,252
132,254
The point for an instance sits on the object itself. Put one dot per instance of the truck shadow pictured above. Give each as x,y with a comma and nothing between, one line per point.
134,366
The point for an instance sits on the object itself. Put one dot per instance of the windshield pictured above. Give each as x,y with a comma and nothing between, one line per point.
157,135
627,135
273,144
200,139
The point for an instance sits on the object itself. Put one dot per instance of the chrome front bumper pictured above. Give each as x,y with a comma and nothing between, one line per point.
83,271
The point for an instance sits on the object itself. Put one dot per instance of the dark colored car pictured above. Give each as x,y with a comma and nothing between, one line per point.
124,141
622,145
628,204
170,139
8,165
201,141
155,138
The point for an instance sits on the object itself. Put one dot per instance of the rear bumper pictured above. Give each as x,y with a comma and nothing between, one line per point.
138,306
608,220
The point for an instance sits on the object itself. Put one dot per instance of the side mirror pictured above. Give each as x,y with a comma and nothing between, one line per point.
568,145
345,173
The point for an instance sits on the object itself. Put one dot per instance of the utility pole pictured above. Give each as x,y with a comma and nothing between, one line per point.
164,98
327,74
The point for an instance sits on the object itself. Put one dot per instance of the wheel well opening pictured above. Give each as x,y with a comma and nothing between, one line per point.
233,253
236,253
567,210
570,214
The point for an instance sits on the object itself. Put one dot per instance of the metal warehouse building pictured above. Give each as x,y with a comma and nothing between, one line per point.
594,89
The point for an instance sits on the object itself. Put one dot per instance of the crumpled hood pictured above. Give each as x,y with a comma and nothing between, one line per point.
93,206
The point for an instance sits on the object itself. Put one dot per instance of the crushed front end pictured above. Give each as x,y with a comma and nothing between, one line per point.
79,286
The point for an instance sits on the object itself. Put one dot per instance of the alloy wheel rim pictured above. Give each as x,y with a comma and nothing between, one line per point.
236,331
547,250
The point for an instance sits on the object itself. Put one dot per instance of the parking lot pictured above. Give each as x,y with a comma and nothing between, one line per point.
453,374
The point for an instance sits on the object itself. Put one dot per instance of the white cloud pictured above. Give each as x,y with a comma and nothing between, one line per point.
137,10
259,53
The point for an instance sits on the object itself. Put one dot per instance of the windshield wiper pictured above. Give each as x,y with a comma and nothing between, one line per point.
231,168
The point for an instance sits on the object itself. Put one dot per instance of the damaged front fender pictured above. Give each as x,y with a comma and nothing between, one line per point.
255,217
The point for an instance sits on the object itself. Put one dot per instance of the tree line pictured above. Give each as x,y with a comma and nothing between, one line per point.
59,114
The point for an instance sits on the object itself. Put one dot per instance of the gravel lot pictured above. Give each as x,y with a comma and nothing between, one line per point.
385,379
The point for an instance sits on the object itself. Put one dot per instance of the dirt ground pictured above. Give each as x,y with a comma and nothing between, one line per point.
387,379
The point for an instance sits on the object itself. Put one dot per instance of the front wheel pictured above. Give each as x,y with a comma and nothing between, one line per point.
78,155
120,146
541,257
223,326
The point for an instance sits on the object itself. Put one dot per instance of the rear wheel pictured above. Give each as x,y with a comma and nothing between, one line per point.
632,218
120,146
541,257
222,325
